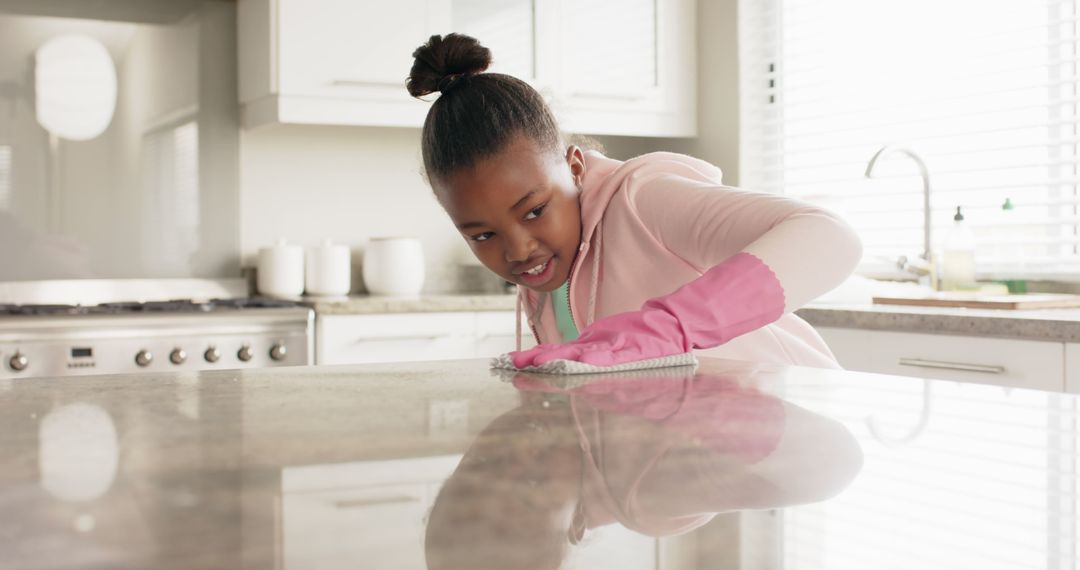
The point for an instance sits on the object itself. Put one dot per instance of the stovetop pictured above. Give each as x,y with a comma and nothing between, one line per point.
151,307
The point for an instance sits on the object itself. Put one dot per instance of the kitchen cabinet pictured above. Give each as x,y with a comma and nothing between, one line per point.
1003,362
332,61
630,71
1072,367
397,337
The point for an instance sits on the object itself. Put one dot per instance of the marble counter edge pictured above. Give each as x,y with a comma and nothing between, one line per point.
447,303
1057,325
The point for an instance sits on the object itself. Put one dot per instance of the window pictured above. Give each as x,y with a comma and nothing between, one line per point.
986,92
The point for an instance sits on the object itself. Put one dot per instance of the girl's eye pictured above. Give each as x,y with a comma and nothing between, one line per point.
535,212
481,237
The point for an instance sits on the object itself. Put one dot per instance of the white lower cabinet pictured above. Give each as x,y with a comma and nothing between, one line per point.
1072,367
359,339
398,337
1003,362
495,333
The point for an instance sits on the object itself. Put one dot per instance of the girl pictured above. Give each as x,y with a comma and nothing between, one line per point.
619,261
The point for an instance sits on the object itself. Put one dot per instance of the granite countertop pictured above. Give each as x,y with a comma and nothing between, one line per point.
370,304
1044,324
1062,325
386,466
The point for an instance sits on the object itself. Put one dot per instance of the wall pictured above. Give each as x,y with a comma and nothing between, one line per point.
127,204
306,183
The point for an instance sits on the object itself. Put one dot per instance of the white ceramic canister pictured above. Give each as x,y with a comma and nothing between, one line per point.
394,266
281,270
328,269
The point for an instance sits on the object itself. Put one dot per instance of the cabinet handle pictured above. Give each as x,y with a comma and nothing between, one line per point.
615,96
921,363
361,503
402,337
363,83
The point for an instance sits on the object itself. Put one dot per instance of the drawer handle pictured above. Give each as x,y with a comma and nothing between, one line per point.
921,363
614,96
362,83
433,337
361,503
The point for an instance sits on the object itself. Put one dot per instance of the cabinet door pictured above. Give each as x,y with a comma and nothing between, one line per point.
343,528
506,27
1002,362
495,333
630,69
344,48
354,339
851,347
1072,367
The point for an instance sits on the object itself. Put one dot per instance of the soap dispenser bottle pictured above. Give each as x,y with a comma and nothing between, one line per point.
958,271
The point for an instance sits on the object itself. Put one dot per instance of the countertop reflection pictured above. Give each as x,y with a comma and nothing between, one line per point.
453,465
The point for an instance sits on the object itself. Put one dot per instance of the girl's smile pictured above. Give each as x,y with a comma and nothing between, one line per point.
519,211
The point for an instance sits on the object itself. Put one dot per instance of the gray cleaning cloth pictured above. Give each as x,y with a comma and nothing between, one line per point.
573,367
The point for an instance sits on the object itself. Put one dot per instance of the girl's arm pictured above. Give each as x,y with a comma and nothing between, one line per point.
809,249
760,256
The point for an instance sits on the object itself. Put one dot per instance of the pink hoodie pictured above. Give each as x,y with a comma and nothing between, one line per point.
658,221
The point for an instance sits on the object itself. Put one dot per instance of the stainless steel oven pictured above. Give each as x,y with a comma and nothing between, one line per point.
79,337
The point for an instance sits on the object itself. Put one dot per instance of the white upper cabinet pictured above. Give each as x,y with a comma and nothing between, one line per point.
339,62
506,27
624,67
628,68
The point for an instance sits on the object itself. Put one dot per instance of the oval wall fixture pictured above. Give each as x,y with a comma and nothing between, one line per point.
74,87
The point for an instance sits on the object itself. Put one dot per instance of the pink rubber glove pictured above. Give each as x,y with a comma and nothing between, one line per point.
737,296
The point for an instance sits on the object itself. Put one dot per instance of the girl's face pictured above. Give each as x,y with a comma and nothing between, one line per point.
519,212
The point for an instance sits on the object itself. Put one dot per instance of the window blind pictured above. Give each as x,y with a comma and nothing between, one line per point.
985,91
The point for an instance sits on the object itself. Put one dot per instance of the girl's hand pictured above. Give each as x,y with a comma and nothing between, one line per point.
618,339
737,296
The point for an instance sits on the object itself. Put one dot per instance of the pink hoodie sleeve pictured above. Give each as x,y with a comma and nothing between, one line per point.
809,249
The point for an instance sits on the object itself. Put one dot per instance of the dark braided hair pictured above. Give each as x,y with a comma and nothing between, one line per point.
477,113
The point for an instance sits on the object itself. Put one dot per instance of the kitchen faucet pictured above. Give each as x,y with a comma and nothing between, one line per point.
927,254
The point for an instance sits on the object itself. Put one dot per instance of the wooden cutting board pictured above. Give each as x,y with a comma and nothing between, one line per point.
978,301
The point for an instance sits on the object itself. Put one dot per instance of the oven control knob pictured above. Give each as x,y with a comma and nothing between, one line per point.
19,362
144,358
177,356
245,353
212,354
278,351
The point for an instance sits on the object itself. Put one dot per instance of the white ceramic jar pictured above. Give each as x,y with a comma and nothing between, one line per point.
281,270
394,266
328,270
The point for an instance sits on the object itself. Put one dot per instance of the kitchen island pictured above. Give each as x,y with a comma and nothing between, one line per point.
452,465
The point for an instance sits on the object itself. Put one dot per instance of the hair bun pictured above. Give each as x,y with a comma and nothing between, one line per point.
443,60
